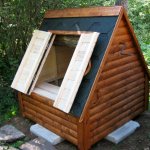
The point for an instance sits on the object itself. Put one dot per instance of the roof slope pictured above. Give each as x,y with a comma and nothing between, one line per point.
104,25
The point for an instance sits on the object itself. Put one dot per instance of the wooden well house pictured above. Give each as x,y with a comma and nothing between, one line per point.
83,74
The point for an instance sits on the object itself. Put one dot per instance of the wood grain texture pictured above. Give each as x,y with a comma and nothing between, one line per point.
21,108
83,12
75,71
121,119
47,124
120,77
103,104
30,61
91,94
119,92
46,104
43,113
41,64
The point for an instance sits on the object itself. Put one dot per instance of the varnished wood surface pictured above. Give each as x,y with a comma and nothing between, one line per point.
146,92
83,12
43,113
75,71
120,90
121,119
92,92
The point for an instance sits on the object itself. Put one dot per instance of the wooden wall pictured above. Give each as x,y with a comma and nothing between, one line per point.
120,91
41,110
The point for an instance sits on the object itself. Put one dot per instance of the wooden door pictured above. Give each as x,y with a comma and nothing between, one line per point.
75,71
33,61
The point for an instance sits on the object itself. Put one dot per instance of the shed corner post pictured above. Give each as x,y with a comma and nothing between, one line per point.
146,104
83,134
21,104
80,135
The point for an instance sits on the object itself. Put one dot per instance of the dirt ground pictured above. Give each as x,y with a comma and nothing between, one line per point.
140,140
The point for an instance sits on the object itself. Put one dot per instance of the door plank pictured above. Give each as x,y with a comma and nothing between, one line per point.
75,71
31,60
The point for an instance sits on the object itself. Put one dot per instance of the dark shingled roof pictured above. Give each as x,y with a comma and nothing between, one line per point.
104,25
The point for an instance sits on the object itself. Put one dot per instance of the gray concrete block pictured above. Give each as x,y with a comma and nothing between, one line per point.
9,133
7,148
122,132
37,144
46,134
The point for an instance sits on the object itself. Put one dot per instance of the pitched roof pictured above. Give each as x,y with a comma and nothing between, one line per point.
105,26
88,19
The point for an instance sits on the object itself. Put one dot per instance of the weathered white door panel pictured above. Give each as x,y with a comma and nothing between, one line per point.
29,66
75,71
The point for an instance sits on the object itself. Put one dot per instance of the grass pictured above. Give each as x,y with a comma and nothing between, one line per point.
10,112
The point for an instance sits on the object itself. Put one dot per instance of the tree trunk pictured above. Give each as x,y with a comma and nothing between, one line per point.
123,3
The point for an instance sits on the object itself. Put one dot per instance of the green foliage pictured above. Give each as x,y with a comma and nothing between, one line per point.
17,144
139,13
18,19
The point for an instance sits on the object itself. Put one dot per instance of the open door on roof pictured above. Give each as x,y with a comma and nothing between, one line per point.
75,71
32,62
54,65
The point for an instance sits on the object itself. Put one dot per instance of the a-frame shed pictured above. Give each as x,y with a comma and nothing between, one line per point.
115,89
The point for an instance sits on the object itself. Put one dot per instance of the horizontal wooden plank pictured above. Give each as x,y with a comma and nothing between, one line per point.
119,62
56,119
121,121
31,116
47,124
118,111
119,84
46,105
119,77
116,119
105,103
35,106
122,31
83,12
118,54
136,103
121,69
58,125
115,45
116,92
114,104
122,38
136,99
